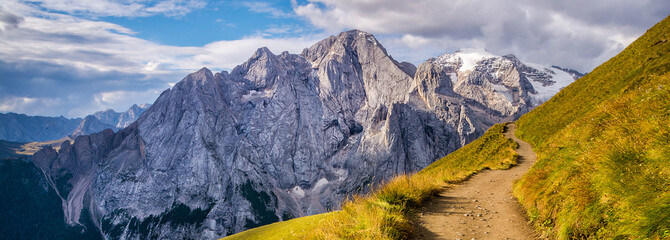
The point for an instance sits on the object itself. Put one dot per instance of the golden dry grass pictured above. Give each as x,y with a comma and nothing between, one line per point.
603,145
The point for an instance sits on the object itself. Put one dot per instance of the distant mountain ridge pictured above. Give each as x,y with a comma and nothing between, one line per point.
121,119
287,135
90,125
23,128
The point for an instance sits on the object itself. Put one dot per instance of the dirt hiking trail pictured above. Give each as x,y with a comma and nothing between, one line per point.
482,207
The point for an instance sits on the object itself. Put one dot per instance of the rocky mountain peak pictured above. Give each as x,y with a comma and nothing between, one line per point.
362,64
345,44
23,128
260,70
201,75
353,37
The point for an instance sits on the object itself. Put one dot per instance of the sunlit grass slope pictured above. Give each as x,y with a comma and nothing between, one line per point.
603,146
385,213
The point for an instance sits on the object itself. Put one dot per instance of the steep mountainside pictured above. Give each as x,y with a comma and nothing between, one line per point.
283,136
603,149
22,128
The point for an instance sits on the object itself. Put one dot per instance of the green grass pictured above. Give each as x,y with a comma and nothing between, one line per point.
290,229
603,145
386,212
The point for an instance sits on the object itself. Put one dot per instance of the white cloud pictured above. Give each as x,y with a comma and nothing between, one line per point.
105,46
31,106
152,66
85,58
570,33
131,8
8,20
265,7
46,55
228,54
114,99
414,41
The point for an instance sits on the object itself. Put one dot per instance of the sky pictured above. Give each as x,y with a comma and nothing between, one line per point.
74,57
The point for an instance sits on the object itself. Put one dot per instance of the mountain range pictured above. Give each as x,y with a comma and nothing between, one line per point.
600,169
23,128
283,136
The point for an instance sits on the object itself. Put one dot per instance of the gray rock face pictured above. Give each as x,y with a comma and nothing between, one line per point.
283,136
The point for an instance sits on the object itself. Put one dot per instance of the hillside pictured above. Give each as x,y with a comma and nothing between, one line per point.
386,212
603,149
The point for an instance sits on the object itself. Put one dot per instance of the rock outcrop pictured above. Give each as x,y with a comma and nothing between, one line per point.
283,136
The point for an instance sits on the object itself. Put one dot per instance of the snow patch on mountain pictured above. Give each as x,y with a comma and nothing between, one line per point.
462,65
544,92
320,183
298,192
468,58
501,89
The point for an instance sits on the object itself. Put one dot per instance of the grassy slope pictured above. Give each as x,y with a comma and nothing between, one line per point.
385,213
603,146
290,229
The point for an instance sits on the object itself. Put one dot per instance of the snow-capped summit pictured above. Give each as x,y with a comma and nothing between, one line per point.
548,81
475,72
465,58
